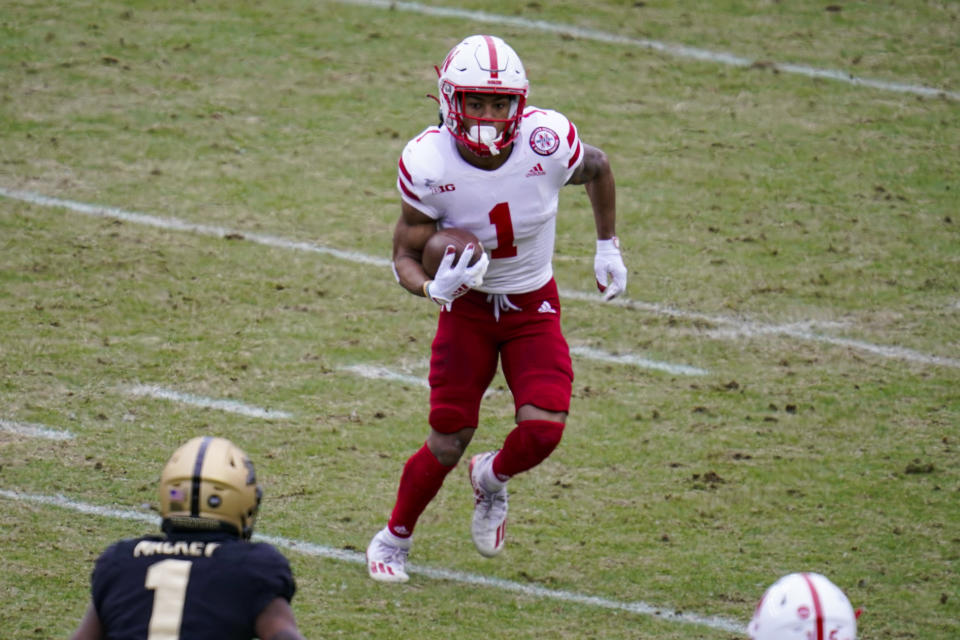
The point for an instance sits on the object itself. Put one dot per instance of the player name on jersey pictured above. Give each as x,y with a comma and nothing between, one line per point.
167,548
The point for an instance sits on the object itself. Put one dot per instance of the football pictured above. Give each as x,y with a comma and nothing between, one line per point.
438,243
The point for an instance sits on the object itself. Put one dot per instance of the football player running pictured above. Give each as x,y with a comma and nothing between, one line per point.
493,166
202,578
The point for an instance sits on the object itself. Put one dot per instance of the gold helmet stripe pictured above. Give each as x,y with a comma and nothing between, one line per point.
198,478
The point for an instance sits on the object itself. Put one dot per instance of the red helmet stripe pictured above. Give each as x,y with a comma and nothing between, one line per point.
571,135
818,609
492,50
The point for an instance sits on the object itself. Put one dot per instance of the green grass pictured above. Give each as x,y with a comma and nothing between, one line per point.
747,199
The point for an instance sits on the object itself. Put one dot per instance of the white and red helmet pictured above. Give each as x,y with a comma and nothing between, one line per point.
803,606
482,64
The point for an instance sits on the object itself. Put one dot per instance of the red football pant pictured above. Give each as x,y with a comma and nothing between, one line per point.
467,346
469,341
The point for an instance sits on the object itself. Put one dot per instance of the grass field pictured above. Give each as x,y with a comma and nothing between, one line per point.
778,391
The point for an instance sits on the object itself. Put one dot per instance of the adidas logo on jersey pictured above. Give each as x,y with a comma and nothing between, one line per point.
546,308
536,171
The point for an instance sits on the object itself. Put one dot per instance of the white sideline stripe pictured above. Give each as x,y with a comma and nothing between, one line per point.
208,403
676,50
311,549
34,430
603,356
747,328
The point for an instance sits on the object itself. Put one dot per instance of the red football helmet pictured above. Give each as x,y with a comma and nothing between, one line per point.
487,65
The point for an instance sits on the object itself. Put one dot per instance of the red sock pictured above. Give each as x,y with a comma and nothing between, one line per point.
526,446
422,478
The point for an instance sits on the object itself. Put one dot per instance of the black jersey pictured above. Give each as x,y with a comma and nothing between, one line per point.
187,586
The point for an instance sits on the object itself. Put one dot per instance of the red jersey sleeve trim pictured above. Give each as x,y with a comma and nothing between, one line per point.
576,156
406,191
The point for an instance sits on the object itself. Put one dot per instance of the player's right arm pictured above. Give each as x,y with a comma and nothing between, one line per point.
410,235
276,622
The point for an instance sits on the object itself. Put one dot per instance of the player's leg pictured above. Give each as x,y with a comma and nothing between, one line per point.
463,362
536,364
538,369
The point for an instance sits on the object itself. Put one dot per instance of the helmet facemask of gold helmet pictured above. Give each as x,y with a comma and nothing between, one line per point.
209,484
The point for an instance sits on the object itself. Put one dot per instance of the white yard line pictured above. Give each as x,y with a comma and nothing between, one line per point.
34,430
747,328
229,406
637,361
372,372
461,577
675,50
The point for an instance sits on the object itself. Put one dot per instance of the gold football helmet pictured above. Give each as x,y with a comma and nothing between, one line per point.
210,484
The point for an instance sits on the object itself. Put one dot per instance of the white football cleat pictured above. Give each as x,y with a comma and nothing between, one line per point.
387,557
489,526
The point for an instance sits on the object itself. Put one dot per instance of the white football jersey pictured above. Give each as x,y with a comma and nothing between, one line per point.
512,210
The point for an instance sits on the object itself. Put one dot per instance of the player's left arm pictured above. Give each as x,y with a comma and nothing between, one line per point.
90,627
597,177
277,622
595,174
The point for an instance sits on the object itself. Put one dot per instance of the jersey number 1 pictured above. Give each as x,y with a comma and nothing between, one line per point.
500,218
168,579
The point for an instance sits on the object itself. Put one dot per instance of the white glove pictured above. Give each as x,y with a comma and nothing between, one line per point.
607,264
454,280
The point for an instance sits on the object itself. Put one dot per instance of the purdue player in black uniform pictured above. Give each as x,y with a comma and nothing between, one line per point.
202,578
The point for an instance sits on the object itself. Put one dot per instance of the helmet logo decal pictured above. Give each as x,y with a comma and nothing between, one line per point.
197,478
544,141
450,57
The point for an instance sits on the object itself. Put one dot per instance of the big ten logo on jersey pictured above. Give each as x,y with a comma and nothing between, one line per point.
443,188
